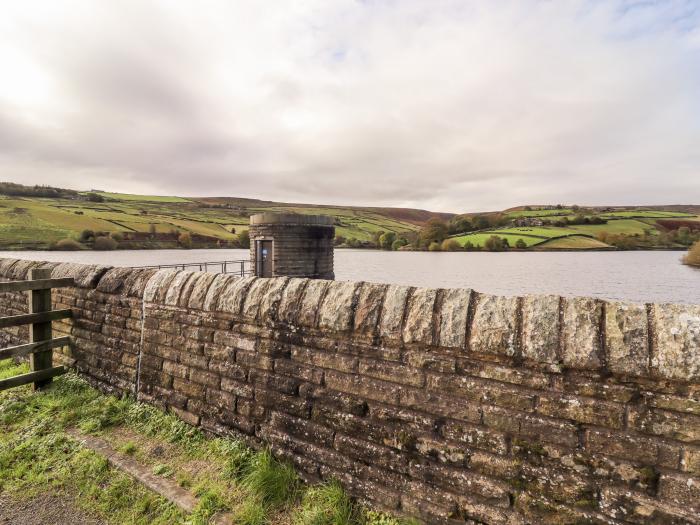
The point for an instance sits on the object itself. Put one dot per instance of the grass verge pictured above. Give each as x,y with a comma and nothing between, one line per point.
37,456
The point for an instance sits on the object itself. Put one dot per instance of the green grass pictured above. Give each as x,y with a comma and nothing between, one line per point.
479,239
539,213
624,226
325,505
141,198
574,242
544,232
38,456
649,214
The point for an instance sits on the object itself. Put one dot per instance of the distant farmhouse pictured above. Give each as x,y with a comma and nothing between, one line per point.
528,221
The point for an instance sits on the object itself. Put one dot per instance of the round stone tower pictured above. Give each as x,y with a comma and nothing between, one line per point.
292,244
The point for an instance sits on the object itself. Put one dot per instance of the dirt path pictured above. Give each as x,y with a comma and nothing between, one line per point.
47,508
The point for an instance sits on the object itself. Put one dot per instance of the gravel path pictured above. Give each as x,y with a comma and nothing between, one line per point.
42,510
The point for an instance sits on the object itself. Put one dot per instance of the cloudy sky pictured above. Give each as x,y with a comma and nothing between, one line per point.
450,105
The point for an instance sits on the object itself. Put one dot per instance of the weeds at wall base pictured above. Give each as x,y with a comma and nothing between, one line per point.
37,456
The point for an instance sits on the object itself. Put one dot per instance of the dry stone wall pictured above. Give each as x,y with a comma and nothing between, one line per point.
449,405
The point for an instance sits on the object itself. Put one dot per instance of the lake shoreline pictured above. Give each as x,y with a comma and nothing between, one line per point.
641,277
510,250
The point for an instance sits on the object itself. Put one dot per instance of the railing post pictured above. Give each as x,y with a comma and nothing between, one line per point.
40,301
242,270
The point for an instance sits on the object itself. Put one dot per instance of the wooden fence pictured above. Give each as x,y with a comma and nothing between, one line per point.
41,342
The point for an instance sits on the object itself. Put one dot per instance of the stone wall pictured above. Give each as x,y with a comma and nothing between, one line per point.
449,405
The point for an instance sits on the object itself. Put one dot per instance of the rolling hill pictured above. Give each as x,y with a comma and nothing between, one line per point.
147,221
38,217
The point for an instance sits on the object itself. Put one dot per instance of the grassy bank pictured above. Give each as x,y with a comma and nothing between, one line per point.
37,457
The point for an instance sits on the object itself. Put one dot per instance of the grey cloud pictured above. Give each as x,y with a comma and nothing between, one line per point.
443,104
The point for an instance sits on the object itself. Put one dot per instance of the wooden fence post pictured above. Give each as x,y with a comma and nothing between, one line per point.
40,301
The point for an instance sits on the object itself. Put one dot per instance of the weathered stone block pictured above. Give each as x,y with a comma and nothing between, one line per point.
393,311
682,427
195,294
581,409
6,266
541,328
418,327
581,337
644,449
680,489
452,318
690,459
157,285
135,282
213,293
395,372
172,296
269,303
676,330
461,481
494,328
627,338
633,507
113,280
233,296
302,429
310,302
363,387
369,307
475,436
288,309
443,406
255,294
336,312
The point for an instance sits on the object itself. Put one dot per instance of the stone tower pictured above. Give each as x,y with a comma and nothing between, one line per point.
292,244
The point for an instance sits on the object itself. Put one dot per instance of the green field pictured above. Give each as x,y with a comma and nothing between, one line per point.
539,213
141,198
546,232
479,239
621,226
575,242
649,214
570,237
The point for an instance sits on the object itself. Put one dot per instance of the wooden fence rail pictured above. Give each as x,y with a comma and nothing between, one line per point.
41,343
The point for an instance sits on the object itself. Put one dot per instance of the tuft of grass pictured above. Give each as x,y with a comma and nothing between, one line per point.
129,448
270,480
326,504
162,470
268,484
8,368
238,457
251,511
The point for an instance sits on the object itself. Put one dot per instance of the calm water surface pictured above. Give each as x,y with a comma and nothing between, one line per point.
631,276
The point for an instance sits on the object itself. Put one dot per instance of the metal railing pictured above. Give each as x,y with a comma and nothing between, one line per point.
240,267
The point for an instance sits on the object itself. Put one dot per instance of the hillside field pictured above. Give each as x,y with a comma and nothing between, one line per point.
39,217
607,229
36,223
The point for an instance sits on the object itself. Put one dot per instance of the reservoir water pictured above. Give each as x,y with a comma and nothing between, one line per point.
639,276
